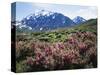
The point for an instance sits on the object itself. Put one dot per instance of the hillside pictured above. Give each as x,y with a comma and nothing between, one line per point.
63,48
90,25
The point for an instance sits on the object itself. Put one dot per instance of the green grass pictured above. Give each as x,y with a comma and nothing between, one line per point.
60,34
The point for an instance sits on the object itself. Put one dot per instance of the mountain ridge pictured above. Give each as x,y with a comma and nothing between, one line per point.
79,20
46,20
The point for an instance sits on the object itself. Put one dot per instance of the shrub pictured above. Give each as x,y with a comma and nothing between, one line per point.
76,50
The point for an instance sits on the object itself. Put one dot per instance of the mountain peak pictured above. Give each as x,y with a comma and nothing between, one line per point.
79,19
43,12
39,13
43,20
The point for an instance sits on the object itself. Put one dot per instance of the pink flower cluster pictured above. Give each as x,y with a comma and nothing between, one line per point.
52,55
77,49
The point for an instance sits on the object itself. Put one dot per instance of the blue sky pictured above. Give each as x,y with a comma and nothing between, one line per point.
24,9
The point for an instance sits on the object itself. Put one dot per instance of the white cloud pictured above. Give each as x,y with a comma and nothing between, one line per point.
86,12
89,12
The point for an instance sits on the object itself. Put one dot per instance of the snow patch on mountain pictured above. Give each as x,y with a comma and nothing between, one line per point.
79,20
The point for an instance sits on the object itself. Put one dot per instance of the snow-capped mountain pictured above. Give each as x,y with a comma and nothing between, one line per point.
45,20
19,25
39,13
79,20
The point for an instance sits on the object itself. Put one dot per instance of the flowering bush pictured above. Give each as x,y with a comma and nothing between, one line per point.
76,51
